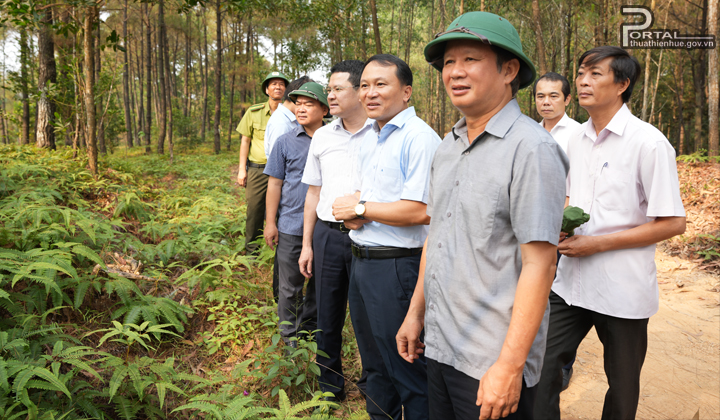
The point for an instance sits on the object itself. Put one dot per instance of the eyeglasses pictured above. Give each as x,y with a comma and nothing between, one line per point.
465,30
338,89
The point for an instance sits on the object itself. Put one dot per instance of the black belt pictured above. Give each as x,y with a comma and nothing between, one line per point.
383,252
256,165
337,226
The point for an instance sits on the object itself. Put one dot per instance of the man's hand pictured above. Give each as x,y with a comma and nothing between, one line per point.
271,235
355,224
242,177
499,391
579,246
563,235
305,261
344,207
408,338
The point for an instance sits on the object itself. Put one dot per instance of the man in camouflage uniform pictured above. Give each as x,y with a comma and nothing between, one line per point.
252,155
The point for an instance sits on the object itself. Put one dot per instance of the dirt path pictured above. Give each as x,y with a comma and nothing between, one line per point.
681,374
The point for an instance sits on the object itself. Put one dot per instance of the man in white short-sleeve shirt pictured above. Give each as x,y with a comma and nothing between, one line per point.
552,96
326,243
623,173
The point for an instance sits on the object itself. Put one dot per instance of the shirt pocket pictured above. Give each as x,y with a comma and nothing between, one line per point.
612,190
258,131
479,203
390,183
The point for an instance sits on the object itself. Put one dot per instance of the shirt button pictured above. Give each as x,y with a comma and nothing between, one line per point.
433,276
432,306
457,183
449,214
439,244
466,153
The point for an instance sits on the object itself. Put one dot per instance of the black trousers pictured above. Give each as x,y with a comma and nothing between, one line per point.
379,296
452,395
625,345
332,256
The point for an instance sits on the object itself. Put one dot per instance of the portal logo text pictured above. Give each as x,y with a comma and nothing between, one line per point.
641,34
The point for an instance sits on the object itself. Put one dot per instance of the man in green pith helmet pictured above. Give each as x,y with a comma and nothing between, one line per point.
252,155
285,203
497,187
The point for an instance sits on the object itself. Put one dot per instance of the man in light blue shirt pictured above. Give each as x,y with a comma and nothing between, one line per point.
388,217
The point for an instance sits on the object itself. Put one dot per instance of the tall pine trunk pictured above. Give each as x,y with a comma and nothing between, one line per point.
376,27
126,80
537,20
24,89
186,95
98,68
47,74
713,94
148,80
162,103
218,77
168,83
205,80
89,94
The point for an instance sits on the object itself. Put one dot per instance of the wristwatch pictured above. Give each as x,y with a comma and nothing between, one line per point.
360,209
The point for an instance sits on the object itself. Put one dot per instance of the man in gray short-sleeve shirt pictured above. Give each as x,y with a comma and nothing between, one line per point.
497,188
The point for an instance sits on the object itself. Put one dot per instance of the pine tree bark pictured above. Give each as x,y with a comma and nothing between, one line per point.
47,75
126,80
98,69
162,105
537,20
205,79
218,76
376,27
168,85
236,38
89,94
24,89
186,93
148,74
713,96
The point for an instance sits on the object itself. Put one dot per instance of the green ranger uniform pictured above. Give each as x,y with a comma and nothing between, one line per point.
253,125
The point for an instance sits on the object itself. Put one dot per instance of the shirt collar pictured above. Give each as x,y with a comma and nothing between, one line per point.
266,108
498,125
616,125
286,112
398,121
299,131
336,124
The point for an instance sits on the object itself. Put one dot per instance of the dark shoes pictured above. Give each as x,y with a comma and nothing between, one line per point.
567,374
338,397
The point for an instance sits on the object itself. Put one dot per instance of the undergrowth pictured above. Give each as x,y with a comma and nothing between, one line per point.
128,296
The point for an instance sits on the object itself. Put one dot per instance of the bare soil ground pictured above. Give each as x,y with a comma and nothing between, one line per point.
681,375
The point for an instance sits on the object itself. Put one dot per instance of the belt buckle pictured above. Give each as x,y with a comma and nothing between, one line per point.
343,228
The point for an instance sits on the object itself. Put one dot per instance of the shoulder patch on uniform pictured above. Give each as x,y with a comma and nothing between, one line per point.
257,107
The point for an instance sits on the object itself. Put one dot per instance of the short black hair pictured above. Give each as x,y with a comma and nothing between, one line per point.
623,65
503,56
353,67
402,71
551,76
295,85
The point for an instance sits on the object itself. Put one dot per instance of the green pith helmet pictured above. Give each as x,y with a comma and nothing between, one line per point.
487,28
273,75
311,90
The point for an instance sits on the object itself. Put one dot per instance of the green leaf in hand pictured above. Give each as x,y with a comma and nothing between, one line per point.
573,217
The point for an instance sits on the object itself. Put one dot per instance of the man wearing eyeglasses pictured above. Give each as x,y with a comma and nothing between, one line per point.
389,220
326,244
497,187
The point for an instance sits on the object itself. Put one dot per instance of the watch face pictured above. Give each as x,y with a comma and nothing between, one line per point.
360,209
